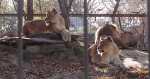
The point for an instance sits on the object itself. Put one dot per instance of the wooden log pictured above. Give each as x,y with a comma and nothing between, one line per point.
37,39
12,40
51,35
32,41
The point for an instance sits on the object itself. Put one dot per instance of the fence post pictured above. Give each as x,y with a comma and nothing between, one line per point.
20,74
86,59
148,21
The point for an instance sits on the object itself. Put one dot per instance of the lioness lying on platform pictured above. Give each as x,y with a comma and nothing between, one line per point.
105,51
54,22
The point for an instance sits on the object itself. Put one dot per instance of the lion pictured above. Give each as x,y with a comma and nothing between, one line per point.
137,35
114,31
53,22
126,38
105,51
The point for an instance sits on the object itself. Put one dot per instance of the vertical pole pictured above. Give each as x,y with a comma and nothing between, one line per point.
148,21
85,21
20,74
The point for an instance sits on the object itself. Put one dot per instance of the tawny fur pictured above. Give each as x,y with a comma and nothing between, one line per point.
54,22
109,52
137,35
111,30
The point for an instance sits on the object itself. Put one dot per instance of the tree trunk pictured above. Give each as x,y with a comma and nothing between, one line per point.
115,10
29,9
65,9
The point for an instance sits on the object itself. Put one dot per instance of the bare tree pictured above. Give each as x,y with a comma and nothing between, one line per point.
77,6
115,9
1,2
65,6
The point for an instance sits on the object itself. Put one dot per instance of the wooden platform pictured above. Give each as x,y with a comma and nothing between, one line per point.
37,39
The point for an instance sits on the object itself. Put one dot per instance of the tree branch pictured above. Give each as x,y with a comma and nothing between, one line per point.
65,12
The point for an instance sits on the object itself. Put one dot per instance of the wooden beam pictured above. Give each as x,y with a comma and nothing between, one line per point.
38,38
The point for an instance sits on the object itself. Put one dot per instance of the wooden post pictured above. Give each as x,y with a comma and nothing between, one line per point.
20,74
29,9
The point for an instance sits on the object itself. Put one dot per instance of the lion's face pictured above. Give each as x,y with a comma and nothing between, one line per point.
107,50
55,21
105,45
51,17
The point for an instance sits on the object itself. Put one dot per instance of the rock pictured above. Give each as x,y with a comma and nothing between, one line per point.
136,55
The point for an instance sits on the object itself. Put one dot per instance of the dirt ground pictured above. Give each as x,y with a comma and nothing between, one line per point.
58,65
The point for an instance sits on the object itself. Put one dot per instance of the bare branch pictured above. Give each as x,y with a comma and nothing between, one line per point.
15,7
70,4
1,2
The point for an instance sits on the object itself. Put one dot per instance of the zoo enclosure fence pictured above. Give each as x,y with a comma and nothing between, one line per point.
85,22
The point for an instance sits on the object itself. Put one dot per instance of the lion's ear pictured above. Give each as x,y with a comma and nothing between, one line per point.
48,13
54,12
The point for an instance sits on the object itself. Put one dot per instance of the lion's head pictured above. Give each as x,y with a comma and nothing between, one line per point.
55,21
105,51
112,30
51,14
105,45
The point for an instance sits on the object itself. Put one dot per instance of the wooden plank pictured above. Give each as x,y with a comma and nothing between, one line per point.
54,36
37,39
30,40
49,35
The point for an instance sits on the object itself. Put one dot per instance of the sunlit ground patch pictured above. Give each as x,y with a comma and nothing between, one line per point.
104,70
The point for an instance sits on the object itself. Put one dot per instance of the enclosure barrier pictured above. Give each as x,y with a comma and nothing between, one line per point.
85,22
85,15
20,74
148,21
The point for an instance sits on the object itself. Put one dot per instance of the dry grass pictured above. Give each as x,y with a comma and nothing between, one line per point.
105,78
